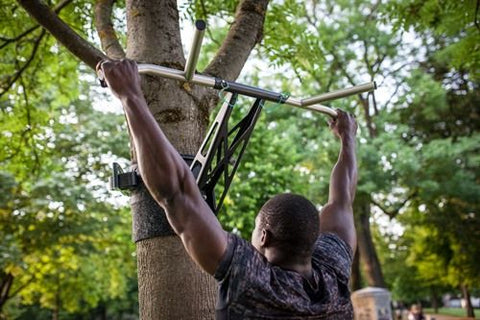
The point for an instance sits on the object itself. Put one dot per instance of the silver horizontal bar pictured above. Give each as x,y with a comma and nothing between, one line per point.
309,103
340,93
321,108
174,74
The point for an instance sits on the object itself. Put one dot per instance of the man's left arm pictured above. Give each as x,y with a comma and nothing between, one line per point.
337,215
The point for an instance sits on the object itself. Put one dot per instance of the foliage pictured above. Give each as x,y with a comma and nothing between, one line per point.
417,145
66,246
456,23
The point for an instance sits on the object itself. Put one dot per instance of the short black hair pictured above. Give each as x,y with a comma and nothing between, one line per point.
293,222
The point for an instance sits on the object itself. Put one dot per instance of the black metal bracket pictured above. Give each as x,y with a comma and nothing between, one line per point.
123,180
129,180
218,158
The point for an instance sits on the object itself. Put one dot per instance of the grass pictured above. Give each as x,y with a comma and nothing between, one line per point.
458,312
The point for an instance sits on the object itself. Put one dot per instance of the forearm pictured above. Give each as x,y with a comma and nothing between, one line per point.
343,180
161,167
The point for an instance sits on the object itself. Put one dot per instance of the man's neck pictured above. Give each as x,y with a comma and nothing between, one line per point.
300,265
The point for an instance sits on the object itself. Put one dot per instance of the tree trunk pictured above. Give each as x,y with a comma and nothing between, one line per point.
170,285
434,299
468,301
5,287
366,247
356,278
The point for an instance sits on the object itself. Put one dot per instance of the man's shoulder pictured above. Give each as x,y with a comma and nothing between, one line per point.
239,254
332,252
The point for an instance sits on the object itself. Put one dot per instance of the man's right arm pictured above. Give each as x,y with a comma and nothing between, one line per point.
165,174
337,215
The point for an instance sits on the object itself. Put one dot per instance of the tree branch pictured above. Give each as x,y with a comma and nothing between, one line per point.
475,20
7,41
245,32
106,32
56,9
20,288
392,213
62,32
389,100
17,74
5,288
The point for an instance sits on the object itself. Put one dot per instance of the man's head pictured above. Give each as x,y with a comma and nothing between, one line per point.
288,222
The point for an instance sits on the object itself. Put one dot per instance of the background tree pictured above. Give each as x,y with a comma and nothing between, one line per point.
65,245
443,111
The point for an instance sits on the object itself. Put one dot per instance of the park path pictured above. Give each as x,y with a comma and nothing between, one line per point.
442,317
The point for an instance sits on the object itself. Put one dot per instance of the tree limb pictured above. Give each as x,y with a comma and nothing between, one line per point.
17,74
62,32
392,213
56,9
389,100
245,32
20,288
5,288
475,20
106,32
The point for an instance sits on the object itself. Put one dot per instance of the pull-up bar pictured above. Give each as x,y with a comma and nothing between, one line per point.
222,149
189,75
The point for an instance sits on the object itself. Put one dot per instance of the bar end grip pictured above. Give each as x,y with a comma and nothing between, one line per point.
200,25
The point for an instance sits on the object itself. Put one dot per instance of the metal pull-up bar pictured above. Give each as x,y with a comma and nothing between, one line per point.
189,75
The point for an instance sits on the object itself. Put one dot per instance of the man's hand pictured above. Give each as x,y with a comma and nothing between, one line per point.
121,76
344,126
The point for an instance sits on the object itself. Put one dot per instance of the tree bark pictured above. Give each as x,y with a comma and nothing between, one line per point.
170,285
356,278
468,301
434,299
5,286
105,30
366,247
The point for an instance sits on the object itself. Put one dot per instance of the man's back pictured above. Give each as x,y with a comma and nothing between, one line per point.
252,288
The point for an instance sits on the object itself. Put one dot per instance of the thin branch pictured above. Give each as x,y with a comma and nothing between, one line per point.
5,288
385,105
14,293
391,213
106,32
392,72
204,16
245,32
14,153
17,74
374,102
57,10
30,127
62,32
366,59
476,15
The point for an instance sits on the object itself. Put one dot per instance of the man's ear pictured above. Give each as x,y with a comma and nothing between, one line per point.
266,238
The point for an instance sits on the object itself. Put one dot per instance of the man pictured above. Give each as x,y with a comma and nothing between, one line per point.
289,271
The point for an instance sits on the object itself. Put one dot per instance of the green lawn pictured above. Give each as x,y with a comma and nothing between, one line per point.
459,312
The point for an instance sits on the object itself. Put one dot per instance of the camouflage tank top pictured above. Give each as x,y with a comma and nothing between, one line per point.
249,287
